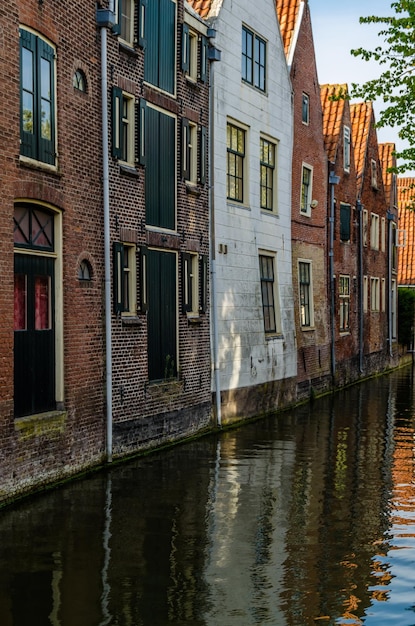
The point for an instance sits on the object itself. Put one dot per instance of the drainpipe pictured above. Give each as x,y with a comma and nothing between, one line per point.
333,180
390,218
359,208
214,55
105,20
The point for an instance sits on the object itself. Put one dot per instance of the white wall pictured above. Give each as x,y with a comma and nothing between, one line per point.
246,356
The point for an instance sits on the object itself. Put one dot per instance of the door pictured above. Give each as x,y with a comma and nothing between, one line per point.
34,334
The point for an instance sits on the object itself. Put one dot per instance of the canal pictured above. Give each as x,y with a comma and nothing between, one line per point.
302,519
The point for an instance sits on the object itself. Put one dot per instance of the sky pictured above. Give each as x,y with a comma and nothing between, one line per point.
336,30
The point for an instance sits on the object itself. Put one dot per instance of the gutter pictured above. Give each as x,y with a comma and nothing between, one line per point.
359,208
333,180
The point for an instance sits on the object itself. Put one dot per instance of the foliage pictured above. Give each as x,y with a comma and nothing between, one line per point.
406,314
396,84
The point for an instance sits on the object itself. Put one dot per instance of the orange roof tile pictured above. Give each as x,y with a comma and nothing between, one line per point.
406,222
333,111
361,115
201,6
388,160
287,11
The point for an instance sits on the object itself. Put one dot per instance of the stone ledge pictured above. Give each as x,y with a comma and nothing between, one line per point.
50,423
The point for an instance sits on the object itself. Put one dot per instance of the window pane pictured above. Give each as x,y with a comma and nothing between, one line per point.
20,302
42,315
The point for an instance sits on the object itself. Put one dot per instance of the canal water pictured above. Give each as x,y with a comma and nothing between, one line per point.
299,519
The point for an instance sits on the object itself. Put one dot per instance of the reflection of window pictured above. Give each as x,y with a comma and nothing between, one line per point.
123,126
79,81
253,59
374,231
37,106
305,110
306,293
306,189
346,148
235,162
125,294
267,166
344,302
269,305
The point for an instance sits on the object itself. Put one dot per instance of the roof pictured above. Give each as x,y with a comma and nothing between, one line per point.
287,12
202,7
406,222
333,111
361,117
387,160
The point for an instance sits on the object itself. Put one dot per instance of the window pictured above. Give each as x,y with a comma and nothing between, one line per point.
123,126
125,296
37,98
374,173
383,234
305,293
235,162
124,11
267,167
305,110
253,59
189,151
158,36
194,283
157,145
79,81
394,248
306,189
190,44
365,294
269,308
85,271
365,226
346,149
374,294
383,295
344,304
374,231
345,222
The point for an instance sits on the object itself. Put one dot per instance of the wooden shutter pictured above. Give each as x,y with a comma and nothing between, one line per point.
204,45
118,12
345,222
186,282
116,122
142,152
203,154
167,45
185,48
142,16
185,160
203,283
118,282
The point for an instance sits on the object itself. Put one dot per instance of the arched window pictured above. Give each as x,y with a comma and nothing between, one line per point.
85,270
79,80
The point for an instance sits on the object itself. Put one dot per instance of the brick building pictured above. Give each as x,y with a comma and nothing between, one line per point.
309,201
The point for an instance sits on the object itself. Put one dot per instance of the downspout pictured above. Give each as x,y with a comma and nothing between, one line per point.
105,19
214,55
333,180
359,208
390,302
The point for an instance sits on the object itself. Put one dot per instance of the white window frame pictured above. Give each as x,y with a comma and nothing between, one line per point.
305,202
253,78
272,168
383,234
191,275
374,173
365,226
374,294
383,295
127,37
344,303
273,290
305,108
302,310
346,148
365,294
231,123
374,231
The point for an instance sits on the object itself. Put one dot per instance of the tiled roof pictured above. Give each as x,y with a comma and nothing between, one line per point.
387,160
332,116
361,118
201,6
406,222
287,11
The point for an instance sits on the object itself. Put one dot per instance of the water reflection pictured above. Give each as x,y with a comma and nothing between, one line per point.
304,519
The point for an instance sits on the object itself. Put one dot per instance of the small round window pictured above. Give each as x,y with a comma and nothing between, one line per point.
79,81
85,270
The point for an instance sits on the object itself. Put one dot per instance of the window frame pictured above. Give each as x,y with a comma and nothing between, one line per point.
374,174
125,278
239,159
269,299
305,295
345,226
305,109
269,167
33,144
191,276
190,151
374,231
344,303
346,148
123,126
374,294
254,60
306,192
365,226
127,38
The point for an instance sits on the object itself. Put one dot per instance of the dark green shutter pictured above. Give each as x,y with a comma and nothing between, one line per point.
46,102
116,122
203,283
151,56
118,276
160,178
185,159
117,26
142,17
185,48
167,42
204,45
203,155
186,282
143,277
345,222
142,121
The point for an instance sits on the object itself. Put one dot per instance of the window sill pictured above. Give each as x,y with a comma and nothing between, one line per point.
192,82
39,165
50,423
128,170
128,48
344,333
272,336
131,320
308,329
192,189
193,319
